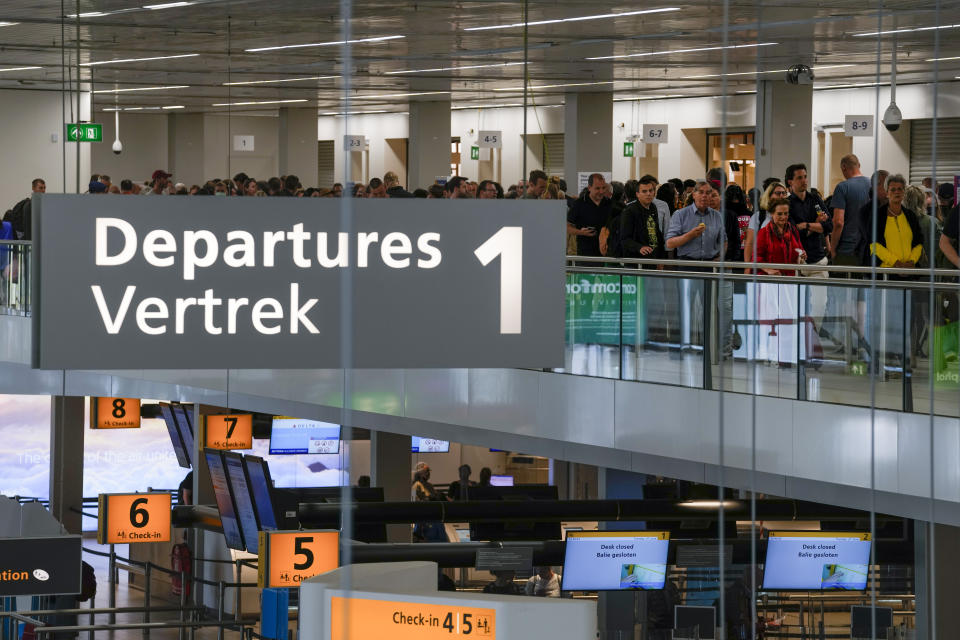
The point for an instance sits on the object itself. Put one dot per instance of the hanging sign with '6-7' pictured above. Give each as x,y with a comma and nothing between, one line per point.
206,283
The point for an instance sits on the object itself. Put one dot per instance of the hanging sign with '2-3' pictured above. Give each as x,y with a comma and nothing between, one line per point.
214,283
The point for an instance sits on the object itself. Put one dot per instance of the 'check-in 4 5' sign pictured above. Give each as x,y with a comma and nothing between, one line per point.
175,283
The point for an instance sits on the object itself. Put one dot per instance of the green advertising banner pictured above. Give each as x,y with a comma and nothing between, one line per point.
597,303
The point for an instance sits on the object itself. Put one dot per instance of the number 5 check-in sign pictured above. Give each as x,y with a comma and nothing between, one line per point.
133,517
287,558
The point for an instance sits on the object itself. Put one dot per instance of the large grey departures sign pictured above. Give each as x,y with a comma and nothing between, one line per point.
168,282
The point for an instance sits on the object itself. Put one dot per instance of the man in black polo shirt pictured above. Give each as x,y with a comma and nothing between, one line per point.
587,216
809,214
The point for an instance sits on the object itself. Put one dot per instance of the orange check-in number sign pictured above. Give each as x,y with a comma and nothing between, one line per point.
116,413
134,517
287,558
360,619
230,431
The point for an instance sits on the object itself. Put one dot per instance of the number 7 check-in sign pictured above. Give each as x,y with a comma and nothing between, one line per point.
287,558
229,432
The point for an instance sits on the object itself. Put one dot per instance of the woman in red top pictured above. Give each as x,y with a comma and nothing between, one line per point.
779,241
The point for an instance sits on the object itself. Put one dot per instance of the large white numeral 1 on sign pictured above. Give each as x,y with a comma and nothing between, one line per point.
508,244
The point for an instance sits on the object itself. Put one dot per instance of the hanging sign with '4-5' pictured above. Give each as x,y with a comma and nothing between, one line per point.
84,132
490,139
210,283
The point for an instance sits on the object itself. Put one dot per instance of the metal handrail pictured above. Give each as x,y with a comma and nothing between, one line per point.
730,265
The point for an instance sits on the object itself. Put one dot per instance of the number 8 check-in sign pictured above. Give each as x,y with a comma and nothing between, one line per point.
133,517
287,558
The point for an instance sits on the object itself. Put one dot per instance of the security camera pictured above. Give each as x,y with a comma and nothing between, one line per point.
799,74
892,118
117,147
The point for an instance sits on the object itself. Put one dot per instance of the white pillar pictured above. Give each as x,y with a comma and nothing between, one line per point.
429,150
784,127
588,135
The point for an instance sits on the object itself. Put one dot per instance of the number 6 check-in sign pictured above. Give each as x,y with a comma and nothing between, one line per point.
133,517
287,558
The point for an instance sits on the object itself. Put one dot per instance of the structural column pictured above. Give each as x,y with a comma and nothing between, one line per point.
429,149
66,460
298,145
784,127
936,579
390,462
588,135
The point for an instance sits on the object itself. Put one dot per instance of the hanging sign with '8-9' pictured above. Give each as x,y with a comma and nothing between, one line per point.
208,283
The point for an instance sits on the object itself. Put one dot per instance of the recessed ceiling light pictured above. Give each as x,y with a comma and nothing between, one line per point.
118,61
325,44
554,86
352,113
942,59
164,88
246,82
676,51
851,85
598,16
89,14
166,5
915,29
249,102
655,97
8,24
20,68
398,95
472,66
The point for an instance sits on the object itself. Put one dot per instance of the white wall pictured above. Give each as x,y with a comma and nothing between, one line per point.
376,127
221,161
28,119
144,138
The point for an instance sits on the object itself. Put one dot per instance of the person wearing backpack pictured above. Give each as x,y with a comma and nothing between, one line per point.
19,216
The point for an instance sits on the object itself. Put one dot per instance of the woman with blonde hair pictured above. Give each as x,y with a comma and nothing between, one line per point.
760,219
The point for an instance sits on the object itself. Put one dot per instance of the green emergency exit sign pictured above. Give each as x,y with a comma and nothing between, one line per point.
474,153
85,132
627,149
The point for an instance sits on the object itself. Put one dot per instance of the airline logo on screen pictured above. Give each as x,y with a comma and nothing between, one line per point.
360,618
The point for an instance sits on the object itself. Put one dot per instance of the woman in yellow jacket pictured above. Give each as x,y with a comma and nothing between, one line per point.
899,238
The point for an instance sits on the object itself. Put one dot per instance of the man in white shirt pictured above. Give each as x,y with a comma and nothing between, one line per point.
544,584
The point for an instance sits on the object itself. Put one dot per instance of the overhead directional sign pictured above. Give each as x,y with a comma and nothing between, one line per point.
354,143
40,566
209,283
474,152
85,132
858,126
363,618
287,558
115,413
229,432
133,517
490,139
627,149
655,133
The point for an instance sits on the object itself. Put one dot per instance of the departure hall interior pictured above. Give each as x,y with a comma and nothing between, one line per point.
255,382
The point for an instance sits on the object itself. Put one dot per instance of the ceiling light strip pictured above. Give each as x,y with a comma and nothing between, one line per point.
598,16
20,68
461,68
249,82
555,86
181,55
164,88
914,30
679,51
324,44
251,102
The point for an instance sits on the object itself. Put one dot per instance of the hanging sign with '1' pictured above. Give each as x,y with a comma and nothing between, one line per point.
253,283
133,517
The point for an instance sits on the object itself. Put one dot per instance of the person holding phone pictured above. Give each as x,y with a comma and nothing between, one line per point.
587,216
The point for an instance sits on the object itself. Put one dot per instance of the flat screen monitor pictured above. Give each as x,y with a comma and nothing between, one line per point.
185,425
501,481
429,445
816,561
861,622
615,560
183,459
225,504
242,500
261,488
294,435
694,622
